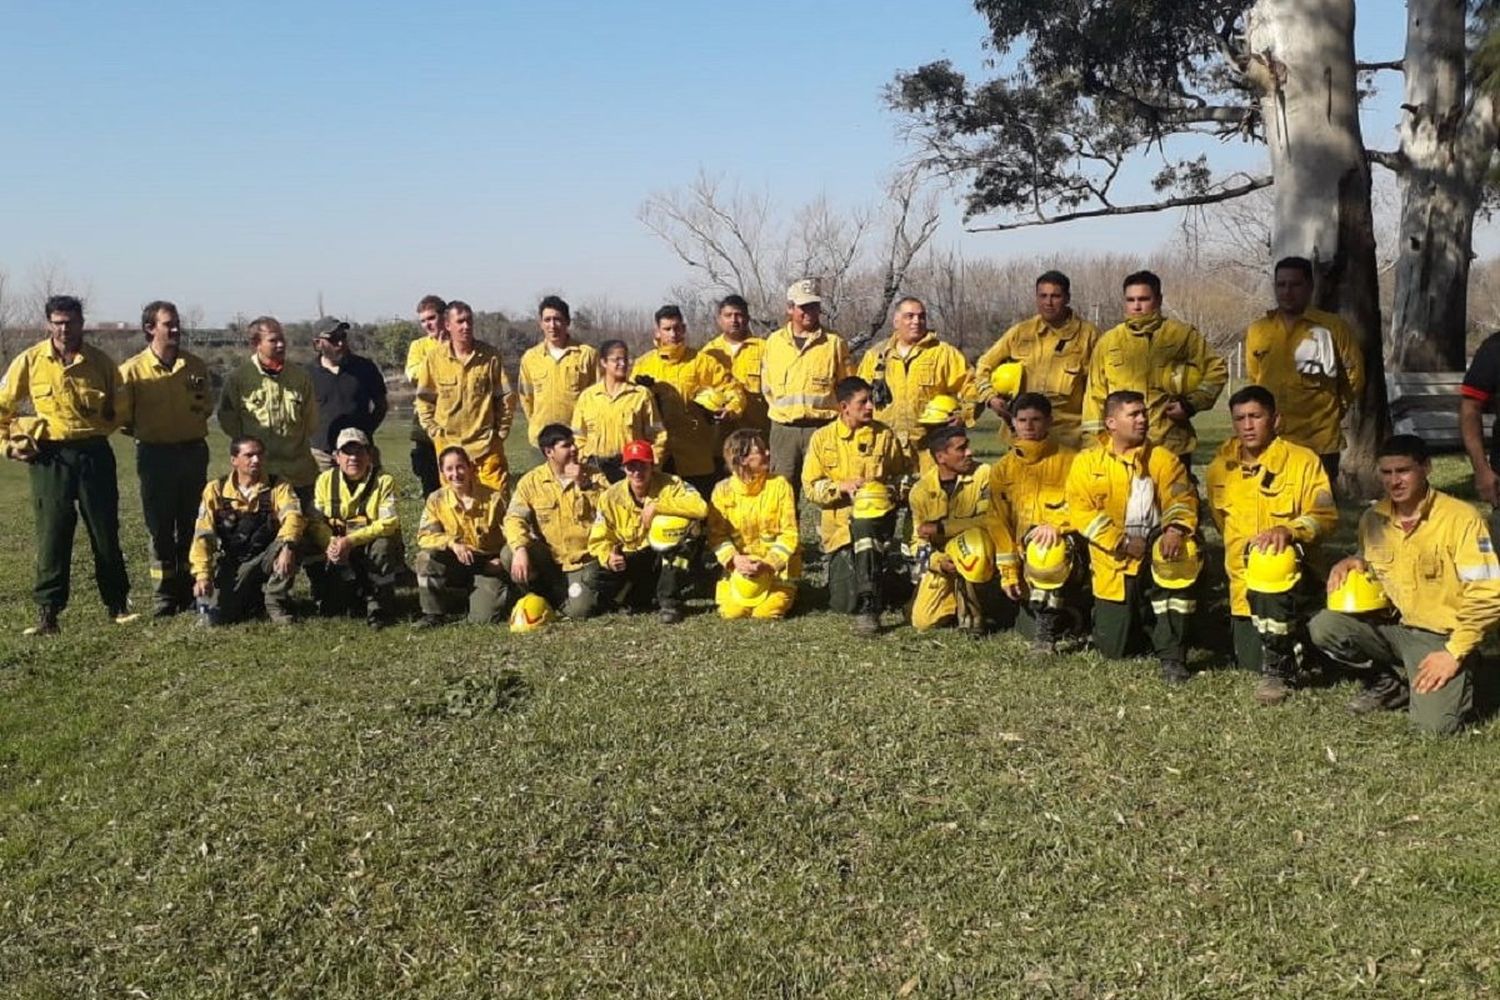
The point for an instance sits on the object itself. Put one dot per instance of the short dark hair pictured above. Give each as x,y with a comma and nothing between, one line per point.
69,304
1031,401
555,302
1294,264
848,387
610,346
433,302
737,301
260,325
666,312
1143,278
149,311
1253,394
1405,446
454,449
1121,397
905,299
553,435
238,444
460,307
939,438
1056,278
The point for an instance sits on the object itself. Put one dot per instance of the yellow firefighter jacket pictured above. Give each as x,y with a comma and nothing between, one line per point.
1055,362
279,408
557,514
224,513
549,389
158,404
757,518
743,361
605,424
446,519
73,401
797,376
932,368
1310,396
972,503
618,524
837,453
1159,358
467,403
1032,477
679,374
361,512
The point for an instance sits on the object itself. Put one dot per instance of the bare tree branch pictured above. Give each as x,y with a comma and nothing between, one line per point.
1392,159
1398,65
1184,201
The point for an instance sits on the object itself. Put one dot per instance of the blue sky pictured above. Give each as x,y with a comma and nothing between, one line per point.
248,157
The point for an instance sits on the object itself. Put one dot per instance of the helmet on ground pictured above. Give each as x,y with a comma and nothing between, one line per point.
667,531
1006,378
750,591
873,499
1268,572
638,451
1048,568
531,613
1179,573
1360,591
940,409
973,552
711,399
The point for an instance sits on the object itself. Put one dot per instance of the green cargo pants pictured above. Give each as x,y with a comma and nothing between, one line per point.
574,593
1362,643
1149,611
69,479
650,578
1266,640
444,585
171,478
365,582
788,445
245,586
860,574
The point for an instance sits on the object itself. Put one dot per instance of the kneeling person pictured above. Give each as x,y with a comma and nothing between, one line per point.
1433,555
753,533
461,538
244,551
355,534
642,556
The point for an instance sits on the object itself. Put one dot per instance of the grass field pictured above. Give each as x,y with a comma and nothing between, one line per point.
613,808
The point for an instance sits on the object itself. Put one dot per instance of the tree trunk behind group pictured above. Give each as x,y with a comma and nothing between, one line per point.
1446,147
1302,64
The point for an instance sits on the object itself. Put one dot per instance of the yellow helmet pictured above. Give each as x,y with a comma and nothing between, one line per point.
973,552
940,409
1179,573
531,613
873,499
711,399
1182,378
1269,572
1006,379
667,531
1048,568
1360,591
750,591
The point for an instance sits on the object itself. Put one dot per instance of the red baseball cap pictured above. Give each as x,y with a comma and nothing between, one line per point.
638,451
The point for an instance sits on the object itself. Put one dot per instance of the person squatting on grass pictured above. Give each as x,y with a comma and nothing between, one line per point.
753,533
460,539
353,549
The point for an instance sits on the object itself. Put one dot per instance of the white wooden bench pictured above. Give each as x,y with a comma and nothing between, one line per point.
1426,404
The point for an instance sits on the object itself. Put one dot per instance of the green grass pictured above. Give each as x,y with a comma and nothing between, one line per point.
612,808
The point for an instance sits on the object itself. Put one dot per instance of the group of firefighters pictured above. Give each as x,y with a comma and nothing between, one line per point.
685,467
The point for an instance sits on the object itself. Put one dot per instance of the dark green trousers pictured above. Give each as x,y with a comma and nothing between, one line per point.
650,578
424,463
788,446
68,480
1149,611
861,573
366,581
444,585
574,593
243,586
1364,643
1266,641
171,478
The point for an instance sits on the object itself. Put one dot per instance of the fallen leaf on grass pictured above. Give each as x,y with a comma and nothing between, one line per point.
908,986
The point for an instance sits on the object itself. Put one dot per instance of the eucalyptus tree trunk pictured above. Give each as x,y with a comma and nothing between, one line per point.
1301,63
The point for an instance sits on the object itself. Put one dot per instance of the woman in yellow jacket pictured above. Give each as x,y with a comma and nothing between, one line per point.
752,531
615,411
460,539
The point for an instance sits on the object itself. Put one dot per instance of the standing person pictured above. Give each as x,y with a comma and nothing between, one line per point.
164,403
355,533
1480,389
74,389
854,452
1434,557
464,398
430,312
742,354
1054,348
1166,360
752,532
636,570
461,537
1272,501
244,554
348,387
1121,493
556,371
615,411
267,399
802,364
680,378
913,366
1308,360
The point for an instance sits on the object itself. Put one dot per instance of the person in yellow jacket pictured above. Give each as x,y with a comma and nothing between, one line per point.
1169,362
1434,558
354,534
801,365
1267,494
1123,492
464,398
854,450
266,398
244,554
752,531
947,500
1054,348
74,390
164,403
913,365
547,527
554,372
1031,479
675,373
430,311
1309,361
460,540
615,411
634,571
742,354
